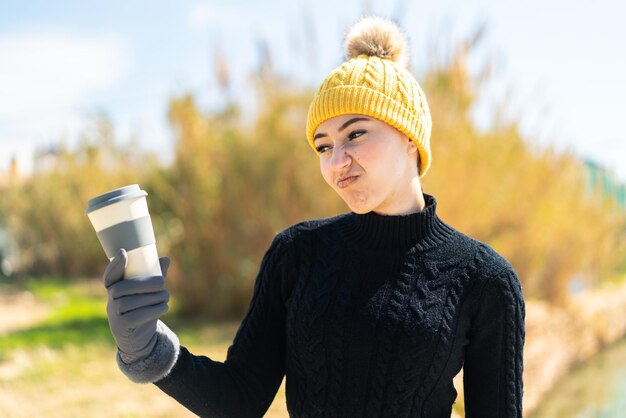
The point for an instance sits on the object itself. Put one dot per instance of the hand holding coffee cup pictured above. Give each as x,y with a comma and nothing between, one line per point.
121,220
134,278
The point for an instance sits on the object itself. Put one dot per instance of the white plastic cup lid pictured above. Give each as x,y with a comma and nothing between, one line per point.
127,192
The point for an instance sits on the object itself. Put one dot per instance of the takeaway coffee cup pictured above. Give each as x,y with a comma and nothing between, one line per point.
121,220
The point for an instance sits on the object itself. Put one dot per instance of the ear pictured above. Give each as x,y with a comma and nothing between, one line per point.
411,148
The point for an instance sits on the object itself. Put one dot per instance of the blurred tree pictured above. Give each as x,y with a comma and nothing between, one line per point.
530,204
236,181
232,187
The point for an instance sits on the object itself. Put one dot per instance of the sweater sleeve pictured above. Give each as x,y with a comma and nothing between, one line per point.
245,384
492,371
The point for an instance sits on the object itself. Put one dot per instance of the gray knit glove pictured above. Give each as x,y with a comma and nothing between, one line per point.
133,307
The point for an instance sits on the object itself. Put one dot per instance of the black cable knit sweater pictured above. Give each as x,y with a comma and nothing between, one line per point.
369,316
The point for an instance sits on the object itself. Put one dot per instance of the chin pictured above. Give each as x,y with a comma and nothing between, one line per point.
360,209
358,201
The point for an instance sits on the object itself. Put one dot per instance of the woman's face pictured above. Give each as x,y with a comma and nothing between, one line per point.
370,164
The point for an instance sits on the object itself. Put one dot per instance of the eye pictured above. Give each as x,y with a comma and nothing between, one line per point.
322,148
356,134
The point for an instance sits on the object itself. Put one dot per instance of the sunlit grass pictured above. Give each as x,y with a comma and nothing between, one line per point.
77,317
66,360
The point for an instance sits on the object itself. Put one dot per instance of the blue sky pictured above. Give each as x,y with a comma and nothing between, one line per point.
560,63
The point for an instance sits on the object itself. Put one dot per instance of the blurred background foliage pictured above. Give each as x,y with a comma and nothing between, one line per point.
532,204
236,180
44,214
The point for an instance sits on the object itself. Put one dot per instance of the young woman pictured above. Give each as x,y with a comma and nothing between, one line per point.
367,314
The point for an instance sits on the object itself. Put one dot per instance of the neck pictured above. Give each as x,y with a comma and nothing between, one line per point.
414,202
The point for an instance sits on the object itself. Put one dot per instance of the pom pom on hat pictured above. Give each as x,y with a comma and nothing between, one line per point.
374,81
377,37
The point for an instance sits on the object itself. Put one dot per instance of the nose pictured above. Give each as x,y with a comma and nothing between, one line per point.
340,159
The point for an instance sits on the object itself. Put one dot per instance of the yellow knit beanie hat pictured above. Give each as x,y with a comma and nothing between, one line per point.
374,81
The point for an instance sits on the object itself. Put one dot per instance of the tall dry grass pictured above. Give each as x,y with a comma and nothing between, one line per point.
236,180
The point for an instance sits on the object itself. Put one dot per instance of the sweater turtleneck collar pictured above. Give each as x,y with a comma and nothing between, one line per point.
398,232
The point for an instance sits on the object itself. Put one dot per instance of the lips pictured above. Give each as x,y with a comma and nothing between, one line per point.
343,182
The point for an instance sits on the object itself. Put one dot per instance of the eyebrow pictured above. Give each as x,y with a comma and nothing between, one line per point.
342,127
